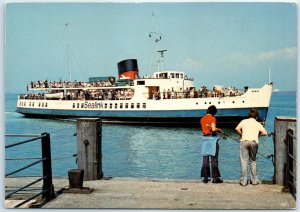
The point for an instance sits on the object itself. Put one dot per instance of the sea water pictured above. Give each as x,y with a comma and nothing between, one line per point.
139,151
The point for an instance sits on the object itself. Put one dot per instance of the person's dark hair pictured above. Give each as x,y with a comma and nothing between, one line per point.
253,113
212,110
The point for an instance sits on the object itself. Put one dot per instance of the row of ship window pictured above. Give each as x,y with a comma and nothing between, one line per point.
218,102
31,104
115,105
106,105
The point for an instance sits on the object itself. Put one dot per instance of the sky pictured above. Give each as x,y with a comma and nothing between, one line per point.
228,44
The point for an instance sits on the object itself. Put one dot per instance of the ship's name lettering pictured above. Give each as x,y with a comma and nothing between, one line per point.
93,105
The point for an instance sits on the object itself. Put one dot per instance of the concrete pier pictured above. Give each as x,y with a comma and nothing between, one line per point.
124,193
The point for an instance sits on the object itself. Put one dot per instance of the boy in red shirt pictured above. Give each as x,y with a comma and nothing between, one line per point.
209,129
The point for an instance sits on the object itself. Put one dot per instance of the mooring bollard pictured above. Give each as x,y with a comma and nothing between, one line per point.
76,178
76,182
89,147
282,125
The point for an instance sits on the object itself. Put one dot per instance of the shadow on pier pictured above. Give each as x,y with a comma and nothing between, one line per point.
158,194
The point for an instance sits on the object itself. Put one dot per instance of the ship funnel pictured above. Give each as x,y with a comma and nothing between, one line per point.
128,69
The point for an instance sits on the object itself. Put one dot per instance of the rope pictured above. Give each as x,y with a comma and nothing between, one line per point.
269,157
30,158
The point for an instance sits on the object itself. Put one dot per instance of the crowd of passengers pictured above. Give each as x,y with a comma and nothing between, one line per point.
203,92
66,84
105,94
117,94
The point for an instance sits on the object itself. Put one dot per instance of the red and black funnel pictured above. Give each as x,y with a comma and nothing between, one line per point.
128,69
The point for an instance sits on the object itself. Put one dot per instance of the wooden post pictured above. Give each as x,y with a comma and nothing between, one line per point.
89,147
282,124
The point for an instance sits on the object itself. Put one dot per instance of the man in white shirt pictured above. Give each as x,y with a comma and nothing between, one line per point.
249,130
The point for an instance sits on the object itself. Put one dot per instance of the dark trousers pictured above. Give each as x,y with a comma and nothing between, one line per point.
205,171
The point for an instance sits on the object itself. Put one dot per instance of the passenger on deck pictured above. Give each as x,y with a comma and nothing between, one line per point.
172,94
169,94
164,94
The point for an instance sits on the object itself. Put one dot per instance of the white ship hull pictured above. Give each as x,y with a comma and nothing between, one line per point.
187,111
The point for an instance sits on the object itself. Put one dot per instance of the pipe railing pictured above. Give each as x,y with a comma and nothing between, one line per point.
291,163
47,190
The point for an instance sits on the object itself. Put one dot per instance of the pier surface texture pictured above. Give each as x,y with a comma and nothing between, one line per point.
123,193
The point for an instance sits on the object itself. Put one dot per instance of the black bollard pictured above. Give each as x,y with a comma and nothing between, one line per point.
76,182
76,178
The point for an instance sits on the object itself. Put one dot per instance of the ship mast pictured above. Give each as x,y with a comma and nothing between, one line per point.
156,37
269,75
68,51
161,60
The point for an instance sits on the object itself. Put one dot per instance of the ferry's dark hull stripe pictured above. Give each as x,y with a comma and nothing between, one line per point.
223,115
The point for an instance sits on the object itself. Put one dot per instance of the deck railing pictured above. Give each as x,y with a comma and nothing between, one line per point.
47,190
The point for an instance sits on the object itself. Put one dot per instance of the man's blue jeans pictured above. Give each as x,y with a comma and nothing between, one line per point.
248,151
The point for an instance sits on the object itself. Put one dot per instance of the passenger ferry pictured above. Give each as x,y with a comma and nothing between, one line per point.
165,98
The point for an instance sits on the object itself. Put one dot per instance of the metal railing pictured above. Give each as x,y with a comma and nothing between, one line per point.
47,190
290,177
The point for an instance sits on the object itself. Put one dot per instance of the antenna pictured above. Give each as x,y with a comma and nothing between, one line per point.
269,75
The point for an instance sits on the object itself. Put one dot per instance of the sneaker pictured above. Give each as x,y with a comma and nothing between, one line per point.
205,180
217,180
256,183
243,183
